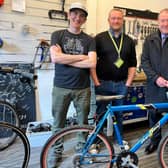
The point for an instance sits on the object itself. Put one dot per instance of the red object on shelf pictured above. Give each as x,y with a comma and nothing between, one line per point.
1,2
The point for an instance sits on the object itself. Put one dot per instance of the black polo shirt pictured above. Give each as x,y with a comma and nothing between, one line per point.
107,55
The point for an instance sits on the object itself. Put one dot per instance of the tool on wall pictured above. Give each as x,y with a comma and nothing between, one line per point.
124,22
135,30
129,27
25,29
43,50
54,14
1,43
142,32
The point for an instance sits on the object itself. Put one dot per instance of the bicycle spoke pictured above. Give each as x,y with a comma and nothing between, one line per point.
7,114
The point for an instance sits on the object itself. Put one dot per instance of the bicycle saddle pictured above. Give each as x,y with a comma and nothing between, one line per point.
108,98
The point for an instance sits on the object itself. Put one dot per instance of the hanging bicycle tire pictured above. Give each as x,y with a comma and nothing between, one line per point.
8,114
64,150
16,155
163,152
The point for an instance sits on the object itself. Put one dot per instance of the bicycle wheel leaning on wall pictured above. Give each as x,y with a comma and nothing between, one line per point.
18,154
8,114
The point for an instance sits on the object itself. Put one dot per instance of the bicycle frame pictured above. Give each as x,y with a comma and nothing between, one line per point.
111,109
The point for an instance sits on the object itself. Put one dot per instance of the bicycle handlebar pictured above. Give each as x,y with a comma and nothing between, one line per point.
25,74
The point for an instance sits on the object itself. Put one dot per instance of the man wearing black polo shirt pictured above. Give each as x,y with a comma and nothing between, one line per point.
116,64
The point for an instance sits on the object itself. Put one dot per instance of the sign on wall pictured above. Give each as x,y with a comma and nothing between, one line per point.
19,5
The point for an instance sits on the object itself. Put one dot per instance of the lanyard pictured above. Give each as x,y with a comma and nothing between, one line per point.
115,45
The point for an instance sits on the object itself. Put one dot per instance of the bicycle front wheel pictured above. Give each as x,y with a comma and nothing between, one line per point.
8,114
163,152
65,149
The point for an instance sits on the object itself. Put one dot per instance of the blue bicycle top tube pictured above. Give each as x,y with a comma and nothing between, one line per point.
138,107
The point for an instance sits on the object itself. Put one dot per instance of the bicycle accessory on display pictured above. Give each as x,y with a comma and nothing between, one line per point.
25,29
1,2
58,14
42,54
41,127
1,43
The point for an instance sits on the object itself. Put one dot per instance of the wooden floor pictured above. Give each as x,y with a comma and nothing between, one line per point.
131,134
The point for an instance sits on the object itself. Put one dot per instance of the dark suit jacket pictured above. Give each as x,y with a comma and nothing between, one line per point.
154,62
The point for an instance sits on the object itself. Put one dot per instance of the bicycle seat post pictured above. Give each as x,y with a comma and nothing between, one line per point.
109,125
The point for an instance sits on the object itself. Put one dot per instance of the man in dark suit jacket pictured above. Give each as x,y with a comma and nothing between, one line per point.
154,63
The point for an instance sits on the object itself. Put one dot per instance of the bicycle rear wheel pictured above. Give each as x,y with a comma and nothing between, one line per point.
62,150
163,152
18,154
8,114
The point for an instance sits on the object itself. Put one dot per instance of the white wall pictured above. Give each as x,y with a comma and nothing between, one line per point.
98,11
19,47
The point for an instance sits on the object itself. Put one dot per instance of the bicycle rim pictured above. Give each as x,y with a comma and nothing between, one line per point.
163,152
67,140
8,114
16,155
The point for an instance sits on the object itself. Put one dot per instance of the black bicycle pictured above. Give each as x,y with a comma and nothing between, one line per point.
18,154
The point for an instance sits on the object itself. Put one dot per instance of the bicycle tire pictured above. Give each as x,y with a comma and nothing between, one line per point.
8,114
163,152
68,145
21,135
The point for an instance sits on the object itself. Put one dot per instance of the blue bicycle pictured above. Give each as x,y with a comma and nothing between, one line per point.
76,143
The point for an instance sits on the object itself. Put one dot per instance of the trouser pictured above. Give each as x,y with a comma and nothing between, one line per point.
154,117
111,88
61,99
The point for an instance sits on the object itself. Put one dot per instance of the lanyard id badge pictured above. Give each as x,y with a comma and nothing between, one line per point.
119,62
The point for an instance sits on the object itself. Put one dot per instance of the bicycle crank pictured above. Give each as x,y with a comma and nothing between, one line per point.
127,160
